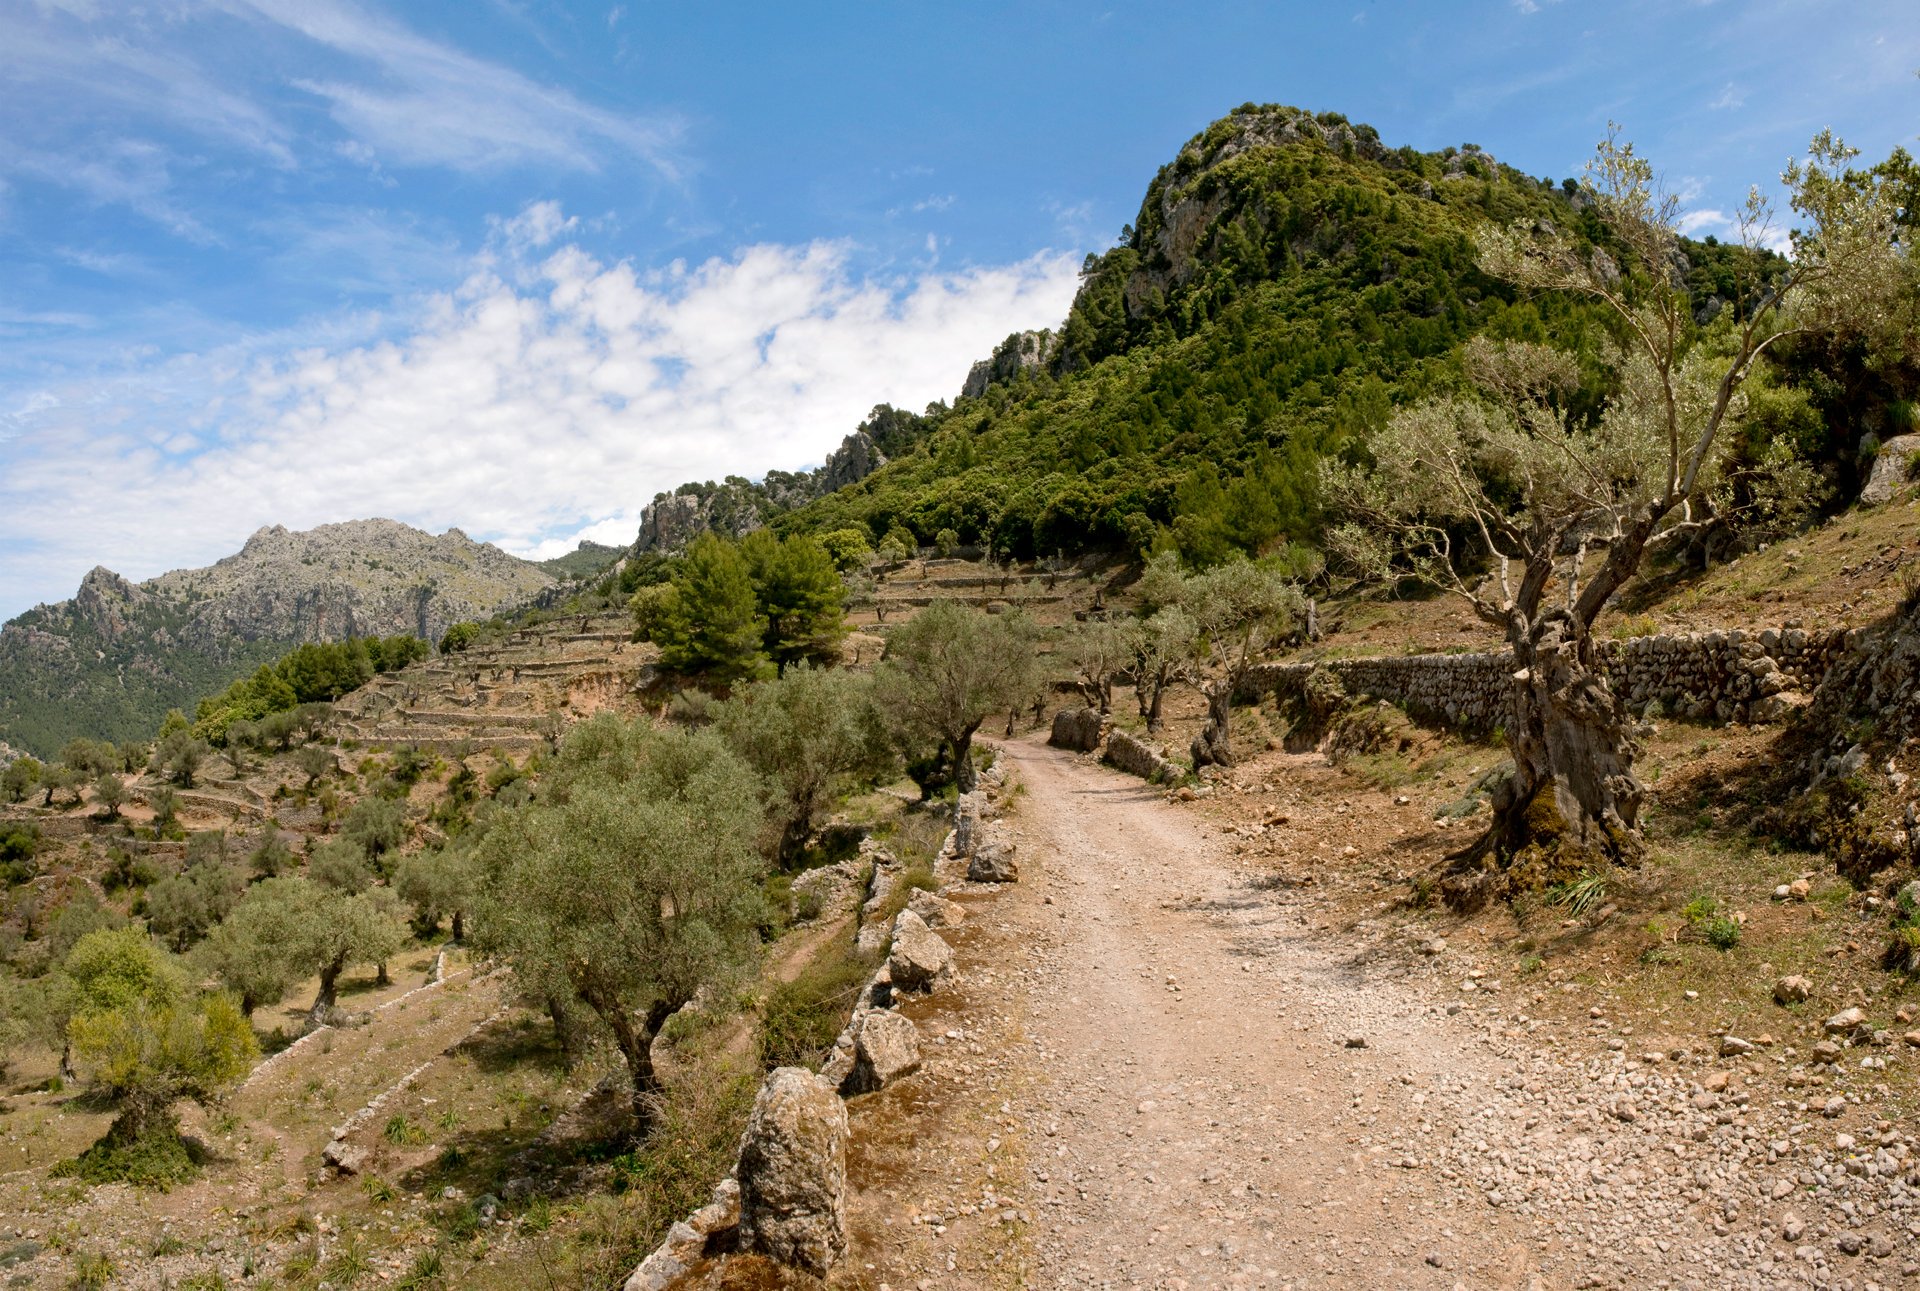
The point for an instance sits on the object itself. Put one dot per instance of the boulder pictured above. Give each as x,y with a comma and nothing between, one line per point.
345,1157
1891,467
1077,729
993,863
936,910
886,1047
1845,1022
793,1173
920,960
1792,989
966,823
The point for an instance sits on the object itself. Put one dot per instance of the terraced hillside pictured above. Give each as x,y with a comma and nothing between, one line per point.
512,693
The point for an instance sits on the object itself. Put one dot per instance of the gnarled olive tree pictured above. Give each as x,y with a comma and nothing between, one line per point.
1537,517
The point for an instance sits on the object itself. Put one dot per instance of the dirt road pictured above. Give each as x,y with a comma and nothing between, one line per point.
1158,1071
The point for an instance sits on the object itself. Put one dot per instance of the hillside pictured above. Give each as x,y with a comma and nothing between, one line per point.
109,663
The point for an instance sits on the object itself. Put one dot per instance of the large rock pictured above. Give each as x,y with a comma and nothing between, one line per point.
921,960
992,862
690,1240
347,1158
1077,729
793,1173
937,910
966,823
1891,469
885,1048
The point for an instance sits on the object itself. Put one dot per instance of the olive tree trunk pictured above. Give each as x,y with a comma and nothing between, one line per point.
1572,802
1214,745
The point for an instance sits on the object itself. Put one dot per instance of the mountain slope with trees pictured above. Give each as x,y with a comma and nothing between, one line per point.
1288,282
109,663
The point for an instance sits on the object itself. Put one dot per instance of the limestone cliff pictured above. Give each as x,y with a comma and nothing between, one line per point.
737,506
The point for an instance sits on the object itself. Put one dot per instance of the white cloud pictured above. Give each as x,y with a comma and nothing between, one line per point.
534,404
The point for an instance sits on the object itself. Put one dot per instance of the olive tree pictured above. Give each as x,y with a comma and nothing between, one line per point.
1163,647
438,883
143,1041
1097,652
948,668
629,884
1235,612
808,734
1536,516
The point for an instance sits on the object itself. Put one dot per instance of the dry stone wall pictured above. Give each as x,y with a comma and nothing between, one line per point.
1730,676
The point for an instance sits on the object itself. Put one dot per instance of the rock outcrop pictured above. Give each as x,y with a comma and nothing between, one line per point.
1893,468
1020,352
793,1173
736,506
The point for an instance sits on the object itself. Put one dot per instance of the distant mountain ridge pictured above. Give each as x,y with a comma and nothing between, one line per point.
111,661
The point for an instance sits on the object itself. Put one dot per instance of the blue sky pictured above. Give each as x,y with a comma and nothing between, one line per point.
516,265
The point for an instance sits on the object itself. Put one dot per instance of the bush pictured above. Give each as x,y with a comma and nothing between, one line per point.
158,1158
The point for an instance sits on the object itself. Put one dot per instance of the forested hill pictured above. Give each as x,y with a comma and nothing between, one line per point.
1288,280
109,663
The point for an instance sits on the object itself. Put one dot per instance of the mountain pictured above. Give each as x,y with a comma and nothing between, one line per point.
110,662
1288,281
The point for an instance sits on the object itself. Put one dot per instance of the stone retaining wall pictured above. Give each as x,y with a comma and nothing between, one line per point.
1730,676
1136,757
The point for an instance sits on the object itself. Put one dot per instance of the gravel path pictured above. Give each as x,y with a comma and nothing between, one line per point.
1198,1087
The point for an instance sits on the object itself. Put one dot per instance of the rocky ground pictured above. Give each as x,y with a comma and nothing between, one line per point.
1170,1063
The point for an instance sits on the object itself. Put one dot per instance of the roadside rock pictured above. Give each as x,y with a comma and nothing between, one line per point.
993,863
793,1172
920,960
886,1047
937,910
1077,729
698,1235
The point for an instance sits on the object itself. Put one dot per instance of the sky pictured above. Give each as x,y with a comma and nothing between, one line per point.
518,265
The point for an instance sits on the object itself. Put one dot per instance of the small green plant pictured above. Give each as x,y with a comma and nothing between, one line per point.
164,1245
378,1190
402,1132
459,1221
539,1216
1722,932
92,1271
428,1271
349,1263
1579,895
1700,909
